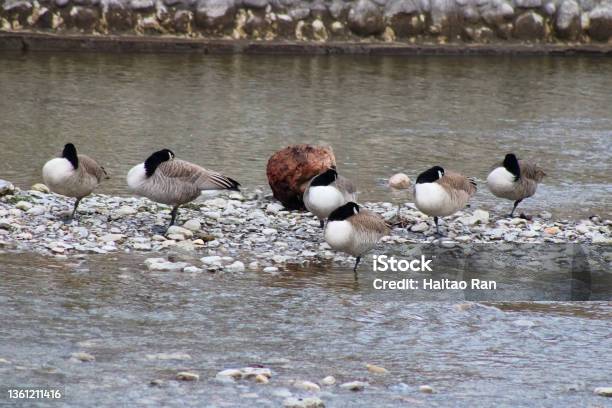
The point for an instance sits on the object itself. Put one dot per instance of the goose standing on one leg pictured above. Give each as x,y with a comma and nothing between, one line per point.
514,179
173,182
438,193
354,230
73,175
327,191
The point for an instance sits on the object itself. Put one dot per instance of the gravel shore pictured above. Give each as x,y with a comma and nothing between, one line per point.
246,230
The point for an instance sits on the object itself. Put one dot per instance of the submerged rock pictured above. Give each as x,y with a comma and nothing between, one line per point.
82,357
376,369
329,380
187,376
307,402
426,389
354,385
603,391
306,385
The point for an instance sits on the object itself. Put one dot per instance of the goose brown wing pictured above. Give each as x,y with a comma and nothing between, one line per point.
194,174
531,171
459,182
367,221
90,166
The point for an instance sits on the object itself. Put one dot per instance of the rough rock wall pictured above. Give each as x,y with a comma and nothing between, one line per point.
409,21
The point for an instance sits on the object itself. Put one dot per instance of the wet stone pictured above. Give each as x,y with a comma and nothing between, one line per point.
307,402
187,376
354,385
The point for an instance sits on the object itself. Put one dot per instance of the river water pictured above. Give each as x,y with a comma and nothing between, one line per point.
229,113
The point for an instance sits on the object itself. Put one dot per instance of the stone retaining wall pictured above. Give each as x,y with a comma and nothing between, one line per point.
321,21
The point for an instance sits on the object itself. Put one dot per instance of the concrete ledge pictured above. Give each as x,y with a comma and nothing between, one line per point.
29,41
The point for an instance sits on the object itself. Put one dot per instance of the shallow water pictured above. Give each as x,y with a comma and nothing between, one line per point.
381,115
302,326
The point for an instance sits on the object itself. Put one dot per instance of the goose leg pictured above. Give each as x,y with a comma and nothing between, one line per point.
514,208
74,210
173,213
356,263
437,227
322,223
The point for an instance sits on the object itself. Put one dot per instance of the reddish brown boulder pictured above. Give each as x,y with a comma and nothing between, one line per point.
290,169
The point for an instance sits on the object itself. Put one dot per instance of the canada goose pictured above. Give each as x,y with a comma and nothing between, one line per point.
327,191
73,175
354,230
438,193
514,179
170,181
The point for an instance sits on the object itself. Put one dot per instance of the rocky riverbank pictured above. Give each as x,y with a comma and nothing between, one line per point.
243,230
321,22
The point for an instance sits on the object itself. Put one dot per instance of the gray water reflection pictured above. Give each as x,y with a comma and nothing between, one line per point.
382,115
506,354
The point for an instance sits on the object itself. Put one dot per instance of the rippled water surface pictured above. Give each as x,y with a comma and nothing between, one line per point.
381,115
303,325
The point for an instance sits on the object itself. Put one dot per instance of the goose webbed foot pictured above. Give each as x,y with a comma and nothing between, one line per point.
526,216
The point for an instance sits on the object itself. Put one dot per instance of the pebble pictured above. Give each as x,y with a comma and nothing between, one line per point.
23,205
6,188
426,389
261,379
187,376
176,230
192,269
603,391
123,211
270,269
82,356
41,188
420,227
306,385
211,260
156,383
161,264
376,369
552,230
354,385
235,267
307,402
274,208
233,374
111,238
169,356
193,225
329,380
